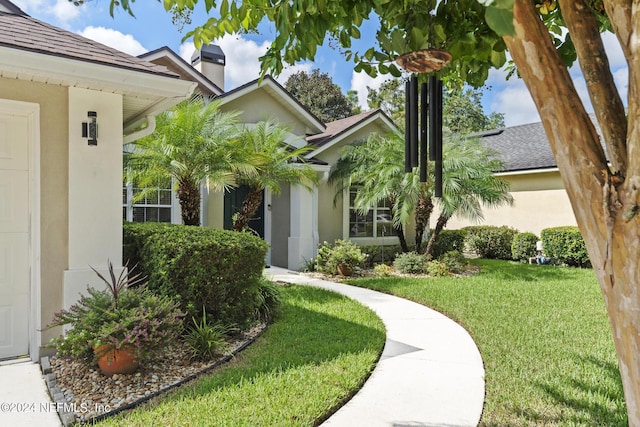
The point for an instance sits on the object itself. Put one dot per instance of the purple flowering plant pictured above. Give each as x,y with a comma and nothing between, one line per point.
125,314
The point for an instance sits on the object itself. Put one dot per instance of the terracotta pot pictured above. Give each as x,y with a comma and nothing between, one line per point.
116,361
345,269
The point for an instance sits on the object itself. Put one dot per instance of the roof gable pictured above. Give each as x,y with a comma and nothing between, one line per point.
8,7
338,130
281,95
168,58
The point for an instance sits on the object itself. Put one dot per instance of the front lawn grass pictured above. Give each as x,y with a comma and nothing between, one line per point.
544,336
316,354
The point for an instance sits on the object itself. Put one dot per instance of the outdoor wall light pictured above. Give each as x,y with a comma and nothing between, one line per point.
90,128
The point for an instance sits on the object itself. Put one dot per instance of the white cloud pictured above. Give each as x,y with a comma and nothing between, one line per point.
65,11
361,81
514,100
62,11
242,60
115,39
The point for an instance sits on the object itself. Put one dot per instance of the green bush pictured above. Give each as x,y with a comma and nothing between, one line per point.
447,241
269,300
565,245
377,254
410,263
523,246
437,269
341,253
455,261
206,340
217,269
134,236
382,270
489,241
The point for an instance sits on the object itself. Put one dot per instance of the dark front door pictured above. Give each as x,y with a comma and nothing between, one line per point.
233,202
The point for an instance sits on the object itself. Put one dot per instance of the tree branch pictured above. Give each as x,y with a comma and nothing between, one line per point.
619,12
583,27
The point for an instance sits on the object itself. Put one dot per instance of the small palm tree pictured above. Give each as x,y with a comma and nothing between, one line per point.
468,183
278,164
193,144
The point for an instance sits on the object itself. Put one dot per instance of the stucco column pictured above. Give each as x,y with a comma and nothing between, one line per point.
303,226
95,192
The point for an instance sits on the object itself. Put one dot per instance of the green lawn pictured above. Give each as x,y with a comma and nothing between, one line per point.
316,354
544,337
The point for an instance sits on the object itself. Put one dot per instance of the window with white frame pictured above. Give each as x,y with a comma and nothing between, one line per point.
376,222
154,206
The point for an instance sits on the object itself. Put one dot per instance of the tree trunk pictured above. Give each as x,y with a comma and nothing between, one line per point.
250,205
422,215
189,196
401,238
605,205
440,224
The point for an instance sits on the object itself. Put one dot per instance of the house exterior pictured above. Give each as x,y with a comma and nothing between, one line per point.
297,220
60,181
540,200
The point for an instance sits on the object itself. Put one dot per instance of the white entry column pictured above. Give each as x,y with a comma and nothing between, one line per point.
303,226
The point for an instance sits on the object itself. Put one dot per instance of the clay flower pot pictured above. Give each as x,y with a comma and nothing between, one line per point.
116,361
345,270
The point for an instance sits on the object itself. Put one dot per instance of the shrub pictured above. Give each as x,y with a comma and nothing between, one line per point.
268,300
410,263
134,236
489,241
382,270
217,269
455,261
205,340
342,253
377,254
565,245
523,246
437,269
447,241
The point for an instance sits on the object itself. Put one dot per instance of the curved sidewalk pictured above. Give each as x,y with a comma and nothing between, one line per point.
430,372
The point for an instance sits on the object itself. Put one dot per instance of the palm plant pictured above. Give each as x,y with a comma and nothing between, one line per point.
378,164
278,163
193,144
468,183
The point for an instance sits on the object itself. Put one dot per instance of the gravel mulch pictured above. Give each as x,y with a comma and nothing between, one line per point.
90,395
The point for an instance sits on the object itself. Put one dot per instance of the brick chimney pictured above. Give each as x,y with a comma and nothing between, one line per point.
210,61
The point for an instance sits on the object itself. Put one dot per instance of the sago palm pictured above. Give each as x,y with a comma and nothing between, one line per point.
278,164
193,144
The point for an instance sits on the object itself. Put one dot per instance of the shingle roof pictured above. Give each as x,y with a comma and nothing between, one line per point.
20,31
338,127
521,147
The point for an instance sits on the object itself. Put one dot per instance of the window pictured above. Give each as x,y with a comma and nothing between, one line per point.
377,222
154,206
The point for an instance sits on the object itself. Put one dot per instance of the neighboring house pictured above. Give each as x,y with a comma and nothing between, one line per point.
297,220
540,200
60,192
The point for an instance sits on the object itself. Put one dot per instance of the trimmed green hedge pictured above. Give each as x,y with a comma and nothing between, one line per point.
523,246
447,241
219,270
489,241
565,245
375,254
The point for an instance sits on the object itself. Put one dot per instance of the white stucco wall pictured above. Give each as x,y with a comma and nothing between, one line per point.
95,191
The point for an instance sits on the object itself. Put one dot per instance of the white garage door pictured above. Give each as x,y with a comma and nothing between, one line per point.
14,235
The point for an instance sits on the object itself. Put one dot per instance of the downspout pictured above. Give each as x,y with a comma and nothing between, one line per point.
148,130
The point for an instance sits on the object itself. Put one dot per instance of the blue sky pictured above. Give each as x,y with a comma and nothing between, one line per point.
152,28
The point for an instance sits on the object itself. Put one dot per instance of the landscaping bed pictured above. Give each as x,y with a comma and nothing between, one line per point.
85,394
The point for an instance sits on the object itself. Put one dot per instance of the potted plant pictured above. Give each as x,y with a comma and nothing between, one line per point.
123,323
341,258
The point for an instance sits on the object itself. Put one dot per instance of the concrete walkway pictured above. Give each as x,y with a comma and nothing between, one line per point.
24,399
430,373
